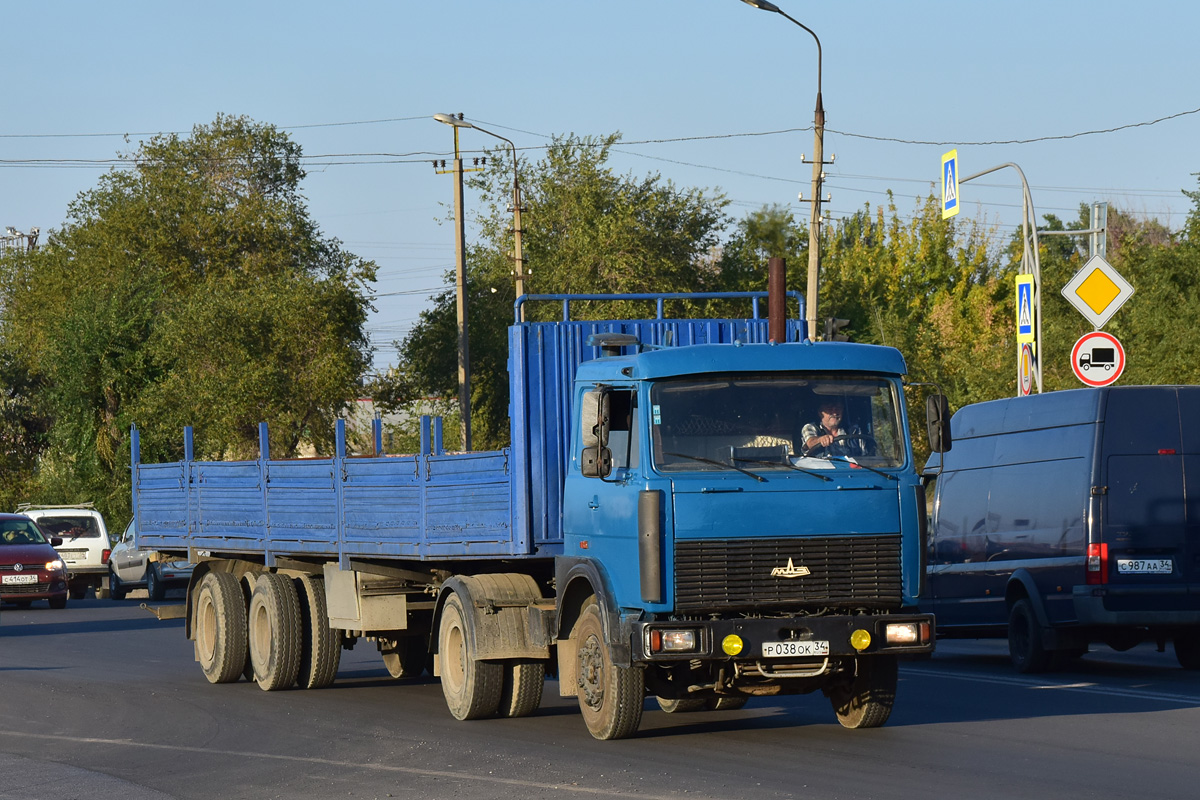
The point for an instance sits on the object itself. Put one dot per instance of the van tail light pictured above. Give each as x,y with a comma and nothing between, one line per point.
1097,564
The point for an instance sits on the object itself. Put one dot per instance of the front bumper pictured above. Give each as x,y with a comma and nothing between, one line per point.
836,630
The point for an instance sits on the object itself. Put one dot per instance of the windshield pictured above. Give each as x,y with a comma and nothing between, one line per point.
775,421
20,531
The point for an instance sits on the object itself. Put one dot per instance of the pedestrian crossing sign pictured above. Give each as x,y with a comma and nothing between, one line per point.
1025,333
950,184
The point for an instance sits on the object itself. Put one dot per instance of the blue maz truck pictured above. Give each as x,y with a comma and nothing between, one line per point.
1069,518
654,529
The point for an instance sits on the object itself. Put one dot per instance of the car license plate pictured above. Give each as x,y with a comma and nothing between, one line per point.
11,579
1145,566
805,648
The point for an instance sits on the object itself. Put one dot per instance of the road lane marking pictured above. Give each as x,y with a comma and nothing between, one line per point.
425,773
1040,684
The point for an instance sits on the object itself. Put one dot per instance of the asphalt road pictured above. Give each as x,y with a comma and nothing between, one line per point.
103,701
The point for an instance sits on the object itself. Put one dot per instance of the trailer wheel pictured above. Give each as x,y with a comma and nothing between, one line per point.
865,701
522,693
1025,639
220,627
681,705
472,688
610,697
1187,650
274,632
320,645
404,657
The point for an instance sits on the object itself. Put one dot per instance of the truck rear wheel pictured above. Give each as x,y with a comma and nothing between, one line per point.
610,697
274,632
523,682
1025,639
472,688
320,645
220,627
865,701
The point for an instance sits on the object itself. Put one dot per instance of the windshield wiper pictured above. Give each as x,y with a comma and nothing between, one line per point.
787,464
887,475
704,460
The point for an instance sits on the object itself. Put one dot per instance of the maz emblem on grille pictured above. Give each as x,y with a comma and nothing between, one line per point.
789,571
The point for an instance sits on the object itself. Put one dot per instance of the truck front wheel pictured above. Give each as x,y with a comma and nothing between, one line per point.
220,627
865,701
610,697
472,688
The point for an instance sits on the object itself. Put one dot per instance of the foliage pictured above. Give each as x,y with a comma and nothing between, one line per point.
586,230
190,288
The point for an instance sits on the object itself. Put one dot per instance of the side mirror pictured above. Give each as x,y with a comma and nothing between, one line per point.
56,541
594,418
596,462
937,421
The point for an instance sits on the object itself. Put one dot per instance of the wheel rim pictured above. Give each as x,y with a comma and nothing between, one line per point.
454,665
206,639
591,672
260,630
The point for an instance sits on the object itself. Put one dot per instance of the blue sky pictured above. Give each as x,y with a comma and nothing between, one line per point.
959,73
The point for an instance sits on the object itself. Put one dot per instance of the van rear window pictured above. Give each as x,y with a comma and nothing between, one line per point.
70,527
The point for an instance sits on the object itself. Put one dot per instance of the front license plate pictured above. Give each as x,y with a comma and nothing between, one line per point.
11,579
1144,566
807,648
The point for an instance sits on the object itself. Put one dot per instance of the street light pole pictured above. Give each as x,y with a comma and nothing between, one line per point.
814,237
518,253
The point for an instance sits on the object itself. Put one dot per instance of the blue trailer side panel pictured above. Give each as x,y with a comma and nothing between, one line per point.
429,505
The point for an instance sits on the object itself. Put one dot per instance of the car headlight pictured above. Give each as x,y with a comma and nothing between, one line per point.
56,564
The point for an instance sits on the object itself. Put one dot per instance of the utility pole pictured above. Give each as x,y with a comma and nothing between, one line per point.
814,225
460,287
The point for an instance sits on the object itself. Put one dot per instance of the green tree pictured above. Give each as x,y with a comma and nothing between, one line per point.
191,287
587,229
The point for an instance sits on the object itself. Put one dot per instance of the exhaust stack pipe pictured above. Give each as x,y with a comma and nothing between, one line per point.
776,300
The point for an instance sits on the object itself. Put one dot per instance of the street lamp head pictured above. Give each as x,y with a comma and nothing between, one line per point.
763,4
450,119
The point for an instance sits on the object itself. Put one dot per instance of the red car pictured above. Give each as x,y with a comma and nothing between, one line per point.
30,567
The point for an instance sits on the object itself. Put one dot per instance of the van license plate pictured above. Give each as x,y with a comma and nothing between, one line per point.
806,648
1144,566
11,579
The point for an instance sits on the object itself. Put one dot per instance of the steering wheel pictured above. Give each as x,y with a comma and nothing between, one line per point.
868,442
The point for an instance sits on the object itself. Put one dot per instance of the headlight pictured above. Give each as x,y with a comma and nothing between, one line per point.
907,632
56,564
674,640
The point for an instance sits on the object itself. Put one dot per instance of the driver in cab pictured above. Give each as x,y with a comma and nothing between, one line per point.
827,437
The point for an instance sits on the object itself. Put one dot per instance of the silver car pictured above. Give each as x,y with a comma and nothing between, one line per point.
130,568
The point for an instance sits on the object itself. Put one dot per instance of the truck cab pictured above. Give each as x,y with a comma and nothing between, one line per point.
727,558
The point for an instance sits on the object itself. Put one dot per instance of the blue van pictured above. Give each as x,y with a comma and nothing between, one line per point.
1068,518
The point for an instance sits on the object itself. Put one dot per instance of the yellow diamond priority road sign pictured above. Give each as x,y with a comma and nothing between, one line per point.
1097,291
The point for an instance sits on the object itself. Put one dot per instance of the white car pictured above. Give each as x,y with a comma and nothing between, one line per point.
85,544
130,568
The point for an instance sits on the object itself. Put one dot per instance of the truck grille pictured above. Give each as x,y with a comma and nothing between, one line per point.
843,571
